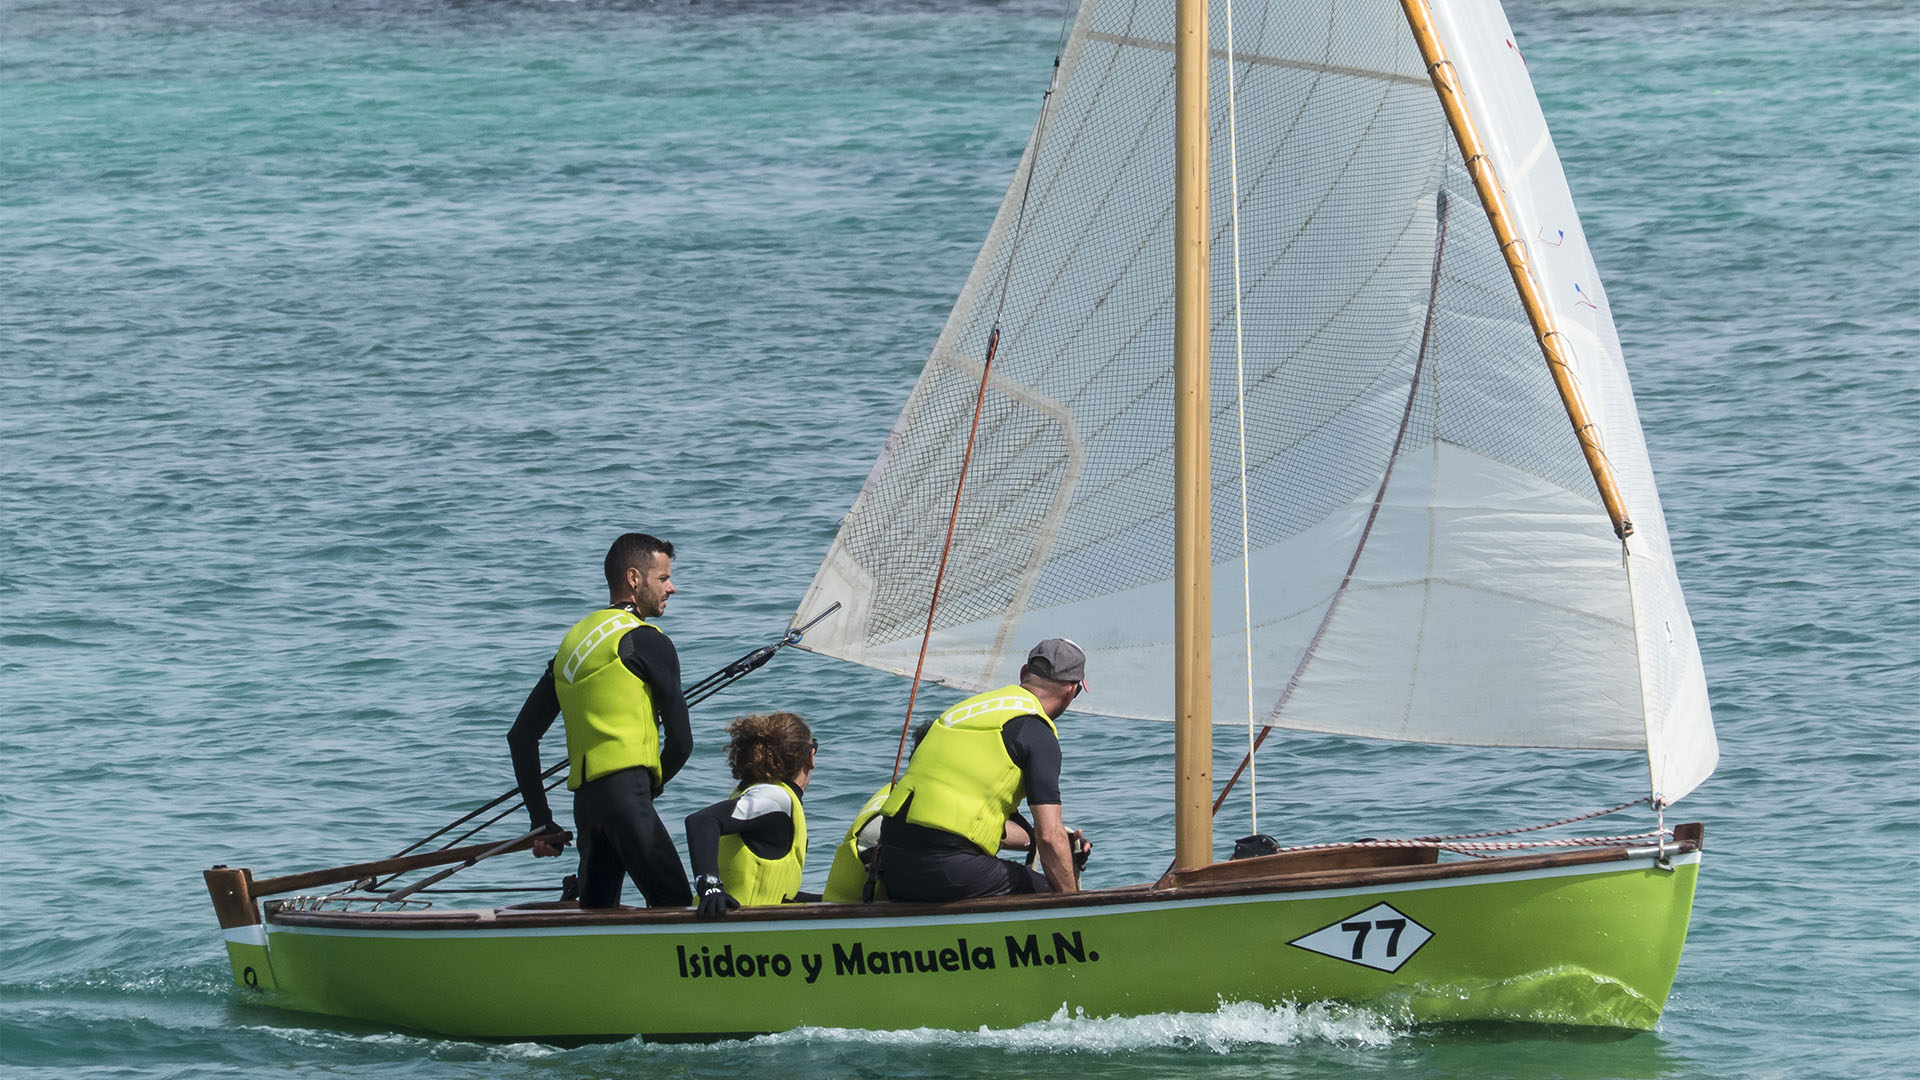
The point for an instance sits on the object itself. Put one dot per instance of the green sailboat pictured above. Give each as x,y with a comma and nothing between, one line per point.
1324,280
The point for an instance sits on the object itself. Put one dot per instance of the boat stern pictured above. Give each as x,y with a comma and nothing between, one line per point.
239,915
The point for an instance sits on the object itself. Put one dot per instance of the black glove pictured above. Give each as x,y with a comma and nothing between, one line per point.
714,901
1081,849
551,835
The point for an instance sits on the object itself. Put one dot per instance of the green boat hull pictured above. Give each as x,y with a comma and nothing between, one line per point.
1584,945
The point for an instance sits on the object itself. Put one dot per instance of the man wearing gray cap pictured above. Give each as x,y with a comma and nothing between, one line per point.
950,811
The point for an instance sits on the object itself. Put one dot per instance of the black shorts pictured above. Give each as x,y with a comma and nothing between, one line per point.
912,873
621,834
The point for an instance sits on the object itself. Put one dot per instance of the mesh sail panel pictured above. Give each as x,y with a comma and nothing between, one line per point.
1429,557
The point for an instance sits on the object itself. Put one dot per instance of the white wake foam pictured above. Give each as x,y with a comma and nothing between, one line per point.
1229,1027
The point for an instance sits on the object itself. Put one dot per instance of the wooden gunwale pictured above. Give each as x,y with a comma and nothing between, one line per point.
1278,883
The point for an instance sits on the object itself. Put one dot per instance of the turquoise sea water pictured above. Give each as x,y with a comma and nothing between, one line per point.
337,339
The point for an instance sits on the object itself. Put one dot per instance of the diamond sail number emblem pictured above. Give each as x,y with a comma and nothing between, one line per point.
1378,937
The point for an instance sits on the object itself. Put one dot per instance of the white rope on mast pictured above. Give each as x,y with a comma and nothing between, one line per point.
1240,402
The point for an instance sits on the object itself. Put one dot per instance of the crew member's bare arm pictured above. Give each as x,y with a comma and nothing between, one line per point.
1056,853
1015,838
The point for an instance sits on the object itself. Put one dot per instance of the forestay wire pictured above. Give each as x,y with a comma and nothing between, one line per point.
1240,402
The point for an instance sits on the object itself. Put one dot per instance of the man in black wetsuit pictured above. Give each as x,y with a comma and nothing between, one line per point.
948,813
616,683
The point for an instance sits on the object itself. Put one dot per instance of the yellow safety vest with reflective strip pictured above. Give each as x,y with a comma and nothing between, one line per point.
961,778
753,880
607,708
847,877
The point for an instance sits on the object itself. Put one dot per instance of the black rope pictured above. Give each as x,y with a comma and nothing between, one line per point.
480,889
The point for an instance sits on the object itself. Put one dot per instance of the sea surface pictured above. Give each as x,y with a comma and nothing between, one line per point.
337,339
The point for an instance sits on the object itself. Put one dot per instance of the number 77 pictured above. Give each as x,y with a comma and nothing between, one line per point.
1360,929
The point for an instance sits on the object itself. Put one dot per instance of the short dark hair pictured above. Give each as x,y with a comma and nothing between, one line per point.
636,550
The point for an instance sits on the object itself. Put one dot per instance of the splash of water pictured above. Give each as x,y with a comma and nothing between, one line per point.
1230,1027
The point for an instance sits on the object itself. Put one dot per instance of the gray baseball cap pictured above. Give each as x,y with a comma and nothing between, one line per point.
1059,659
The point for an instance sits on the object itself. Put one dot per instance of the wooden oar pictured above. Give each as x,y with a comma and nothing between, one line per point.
355,871
497,849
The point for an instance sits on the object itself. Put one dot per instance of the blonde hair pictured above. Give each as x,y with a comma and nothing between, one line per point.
768,748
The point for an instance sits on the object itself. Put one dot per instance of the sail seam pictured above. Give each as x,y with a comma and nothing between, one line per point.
1118,480
1147,234
1279,150
1265,61
1097,432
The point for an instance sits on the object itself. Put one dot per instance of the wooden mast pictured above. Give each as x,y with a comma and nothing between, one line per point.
1192,498
1552,343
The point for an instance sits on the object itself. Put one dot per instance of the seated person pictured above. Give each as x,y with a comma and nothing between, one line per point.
949,812
852,866
750,848
853,859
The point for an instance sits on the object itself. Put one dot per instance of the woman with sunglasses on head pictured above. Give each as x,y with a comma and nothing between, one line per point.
750,848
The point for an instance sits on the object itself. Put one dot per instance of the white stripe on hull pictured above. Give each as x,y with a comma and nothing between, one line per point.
247,935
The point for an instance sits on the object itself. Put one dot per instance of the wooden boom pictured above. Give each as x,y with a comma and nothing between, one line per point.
235,892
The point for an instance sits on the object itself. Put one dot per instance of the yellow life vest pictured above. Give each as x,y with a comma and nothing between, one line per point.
847,877
753,880
961,778
608,709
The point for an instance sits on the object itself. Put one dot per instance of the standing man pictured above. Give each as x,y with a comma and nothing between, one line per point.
616,682
948,813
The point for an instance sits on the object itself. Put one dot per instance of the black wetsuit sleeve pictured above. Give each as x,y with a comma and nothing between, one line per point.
768,835
523,742
650,655
1034,747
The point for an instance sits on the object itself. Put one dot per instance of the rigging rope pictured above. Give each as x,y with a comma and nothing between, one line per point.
1468,843
979,401
953,518
1441,210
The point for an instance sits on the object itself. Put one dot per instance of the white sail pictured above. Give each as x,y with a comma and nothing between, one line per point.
1430,558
